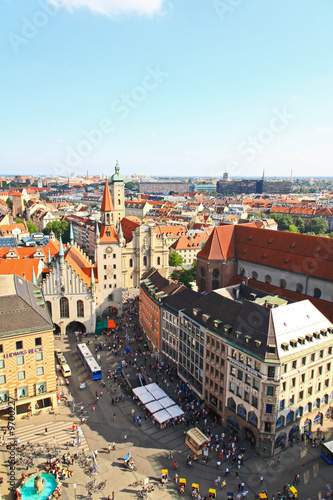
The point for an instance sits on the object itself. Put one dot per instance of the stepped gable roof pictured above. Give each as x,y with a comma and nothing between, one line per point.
129,225
108,234
325,307
22,308
76,258
21,267
107,205
220,244
311,255
182,299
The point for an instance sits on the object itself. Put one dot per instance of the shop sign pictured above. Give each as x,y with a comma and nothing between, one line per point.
23,352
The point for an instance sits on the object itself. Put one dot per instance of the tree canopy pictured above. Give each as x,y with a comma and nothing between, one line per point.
283,221
60,228
319,225
186,276
31,226
175,260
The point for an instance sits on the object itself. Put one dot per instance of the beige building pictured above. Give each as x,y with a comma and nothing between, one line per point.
27,367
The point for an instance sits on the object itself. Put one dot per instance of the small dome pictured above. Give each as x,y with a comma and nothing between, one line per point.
117,177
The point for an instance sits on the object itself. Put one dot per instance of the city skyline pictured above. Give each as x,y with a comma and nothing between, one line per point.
168,88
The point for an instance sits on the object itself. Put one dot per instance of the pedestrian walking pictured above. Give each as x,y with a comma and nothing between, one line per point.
170,455
176,478
125,437
45,431
93,407
278,460
261,479
224,484
109,447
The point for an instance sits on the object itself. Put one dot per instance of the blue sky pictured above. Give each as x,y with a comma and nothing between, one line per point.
173,87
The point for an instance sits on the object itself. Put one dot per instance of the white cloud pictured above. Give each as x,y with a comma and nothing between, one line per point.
114,7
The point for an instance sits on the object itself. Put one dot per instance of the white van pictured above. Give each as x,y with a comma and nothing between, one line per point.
65,370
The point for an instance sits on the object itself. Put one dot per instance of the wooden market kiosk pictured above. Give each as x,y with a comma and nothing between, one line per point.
196,440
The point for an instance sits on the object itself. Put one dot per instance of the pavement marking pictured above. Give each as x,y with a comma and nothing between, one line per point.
61,431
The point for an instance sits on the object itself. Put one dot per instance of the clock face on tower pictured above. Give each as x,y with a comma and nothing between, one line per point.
118,190
108,249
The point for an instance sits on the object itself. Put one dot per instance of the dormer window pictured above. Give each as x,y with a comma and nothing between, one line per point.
309,338
316,335
293,343
301,340
205,317
257,344
247,339
285,346
196,311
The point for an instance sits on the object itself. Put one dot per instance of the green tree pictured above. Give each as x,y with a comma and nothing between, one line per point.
319,225
331,234
131,185
32,228
185,276
19,221
175,260
300,224
60,228
283,221
293,229
9,203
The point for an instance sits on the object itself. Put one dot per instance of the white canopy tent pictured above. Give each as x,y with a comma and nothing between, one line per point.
154,406
161,416
138,391
146,398
158,394
151,387
175,411
166,402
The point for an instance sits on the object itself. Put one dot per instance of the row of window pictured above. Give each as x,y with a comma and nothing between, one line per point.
215,272
251,363
282,283
21,375
241,411
64,308
311,374
305,360
19,344
20,360
23,392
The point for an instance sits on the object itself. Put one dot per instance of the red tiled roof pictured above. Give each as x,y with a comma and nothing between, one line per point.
293,252
108,234
220,244
21,267
323,306
128,225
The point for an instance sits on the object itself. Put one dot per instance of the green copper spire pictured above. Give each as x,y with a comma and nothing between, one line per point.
34,281
92,279
61,251
71,234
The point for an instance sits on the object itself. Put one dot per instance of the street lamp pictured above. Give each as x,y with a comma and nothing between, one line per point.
74,486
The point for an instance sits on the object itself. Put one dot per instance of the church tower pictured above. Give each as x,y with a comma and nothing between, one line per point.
118,195
108,260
